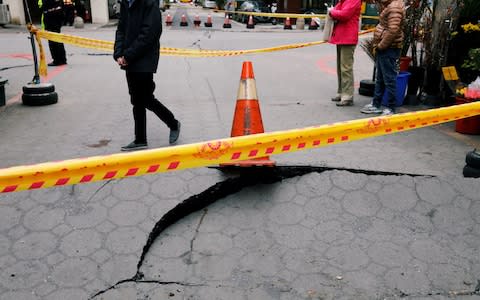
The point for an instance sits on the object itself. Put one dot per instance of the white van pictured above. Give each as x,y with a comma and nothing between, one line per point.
209,4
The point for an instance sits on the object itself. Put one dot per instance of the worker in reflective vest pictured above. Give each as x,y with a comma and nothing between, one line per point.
40,4
53,19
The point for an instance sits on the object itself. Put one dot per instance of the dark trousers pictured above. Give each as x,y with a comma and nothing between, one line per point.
53,22
386,62
69,14
141,88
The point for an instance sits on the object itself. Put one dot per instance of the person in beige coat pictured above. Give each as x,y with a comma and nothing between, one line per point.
388,41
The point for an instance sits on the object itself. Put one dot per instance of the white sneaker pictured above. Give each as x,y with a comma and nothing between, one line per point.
371,109
387,112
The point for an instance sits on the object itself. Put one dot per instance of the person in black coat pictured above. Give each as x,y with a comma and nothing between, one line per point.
53,13
137,50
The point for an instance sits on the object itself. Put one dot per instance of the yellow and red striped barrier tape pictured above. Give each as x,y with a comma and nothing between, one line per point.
108,45
272,15
284,15
168,51
228,150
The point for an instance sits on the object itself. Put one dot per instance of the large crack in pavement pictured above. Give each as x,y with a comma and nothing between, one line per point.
246,177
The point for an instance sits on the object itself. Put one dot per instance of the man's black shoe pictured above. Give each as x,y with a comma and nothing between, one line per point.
54,64
174,133
134,146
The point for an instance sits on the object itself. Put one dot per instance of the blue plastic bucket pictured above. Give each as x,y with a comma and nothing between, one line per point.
402,82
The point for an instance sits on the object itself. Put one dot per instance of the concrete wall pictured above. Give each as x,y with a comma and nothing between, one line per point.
16,11
99,11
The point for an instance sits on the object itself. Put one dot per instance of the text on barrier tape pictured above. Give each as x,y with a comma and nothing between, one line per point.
229,150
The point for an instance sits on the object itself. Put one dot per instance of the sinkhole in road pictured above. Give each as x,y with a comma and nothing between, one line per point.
242,177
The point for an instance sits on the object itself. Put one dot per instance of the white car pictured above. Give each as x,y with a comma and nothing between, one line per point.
209,4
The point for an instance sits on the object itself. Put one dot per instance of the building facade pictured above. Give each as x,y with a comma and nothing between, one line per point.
97,10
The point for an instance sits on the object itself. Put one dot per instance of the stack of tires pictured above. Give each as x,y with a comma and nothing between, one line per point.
38,94
472,168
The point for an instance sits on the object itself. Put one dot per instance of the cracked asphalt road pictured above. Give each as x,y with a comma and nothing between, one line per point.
321,235
385,218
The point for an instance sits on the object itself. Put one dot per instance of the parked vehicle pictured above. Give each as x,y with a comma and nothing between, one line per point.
252,6
209,4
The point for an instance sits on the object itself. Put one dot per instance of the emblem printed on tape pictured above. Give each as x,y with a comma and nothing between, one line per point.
214,150
373,125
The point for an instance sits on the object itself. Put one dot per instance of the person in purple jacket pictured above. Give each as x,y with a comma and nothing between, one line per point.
346,15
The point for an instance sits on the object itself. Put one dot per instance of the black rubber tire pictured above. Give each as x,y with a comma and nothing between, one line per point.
38,88
473,159
365,92
39,99
470,172
367,84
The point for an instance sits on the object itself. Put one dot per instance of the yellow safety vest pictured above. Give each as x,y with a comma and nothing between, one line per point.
40,4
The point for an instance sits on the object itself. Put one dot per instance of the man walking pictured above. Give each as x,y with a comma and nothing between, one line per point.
53,16
136,50
387,41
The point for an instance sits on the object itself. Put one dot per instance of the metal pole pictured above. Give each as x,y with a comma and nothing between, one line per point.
36,76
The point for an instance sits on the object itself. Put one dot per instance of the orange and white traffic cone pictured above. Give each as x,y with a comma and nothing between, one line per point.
287,24
226,23
250,23
183,21
169,20
209,21
248,119
313,25
196,21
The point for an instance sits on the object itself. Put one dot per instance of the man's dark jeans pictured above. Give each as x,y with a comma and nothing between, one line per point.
141,88
386,62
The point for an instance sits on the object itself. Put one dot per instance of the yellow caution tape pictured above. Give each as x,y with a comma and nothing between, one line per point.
229,150
168,51
76,40
272,15
284,15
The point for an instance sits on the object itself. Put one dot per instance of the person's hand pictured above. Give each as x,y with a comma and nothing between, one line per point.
374,51
329,9
122,62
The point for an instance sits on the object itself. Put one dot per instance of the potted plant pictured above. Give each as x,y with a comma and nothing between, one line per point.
472,62
466,93
468,49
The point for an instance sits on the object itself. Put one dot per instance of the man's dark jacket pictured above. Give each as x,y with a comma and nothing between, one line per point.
138,35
